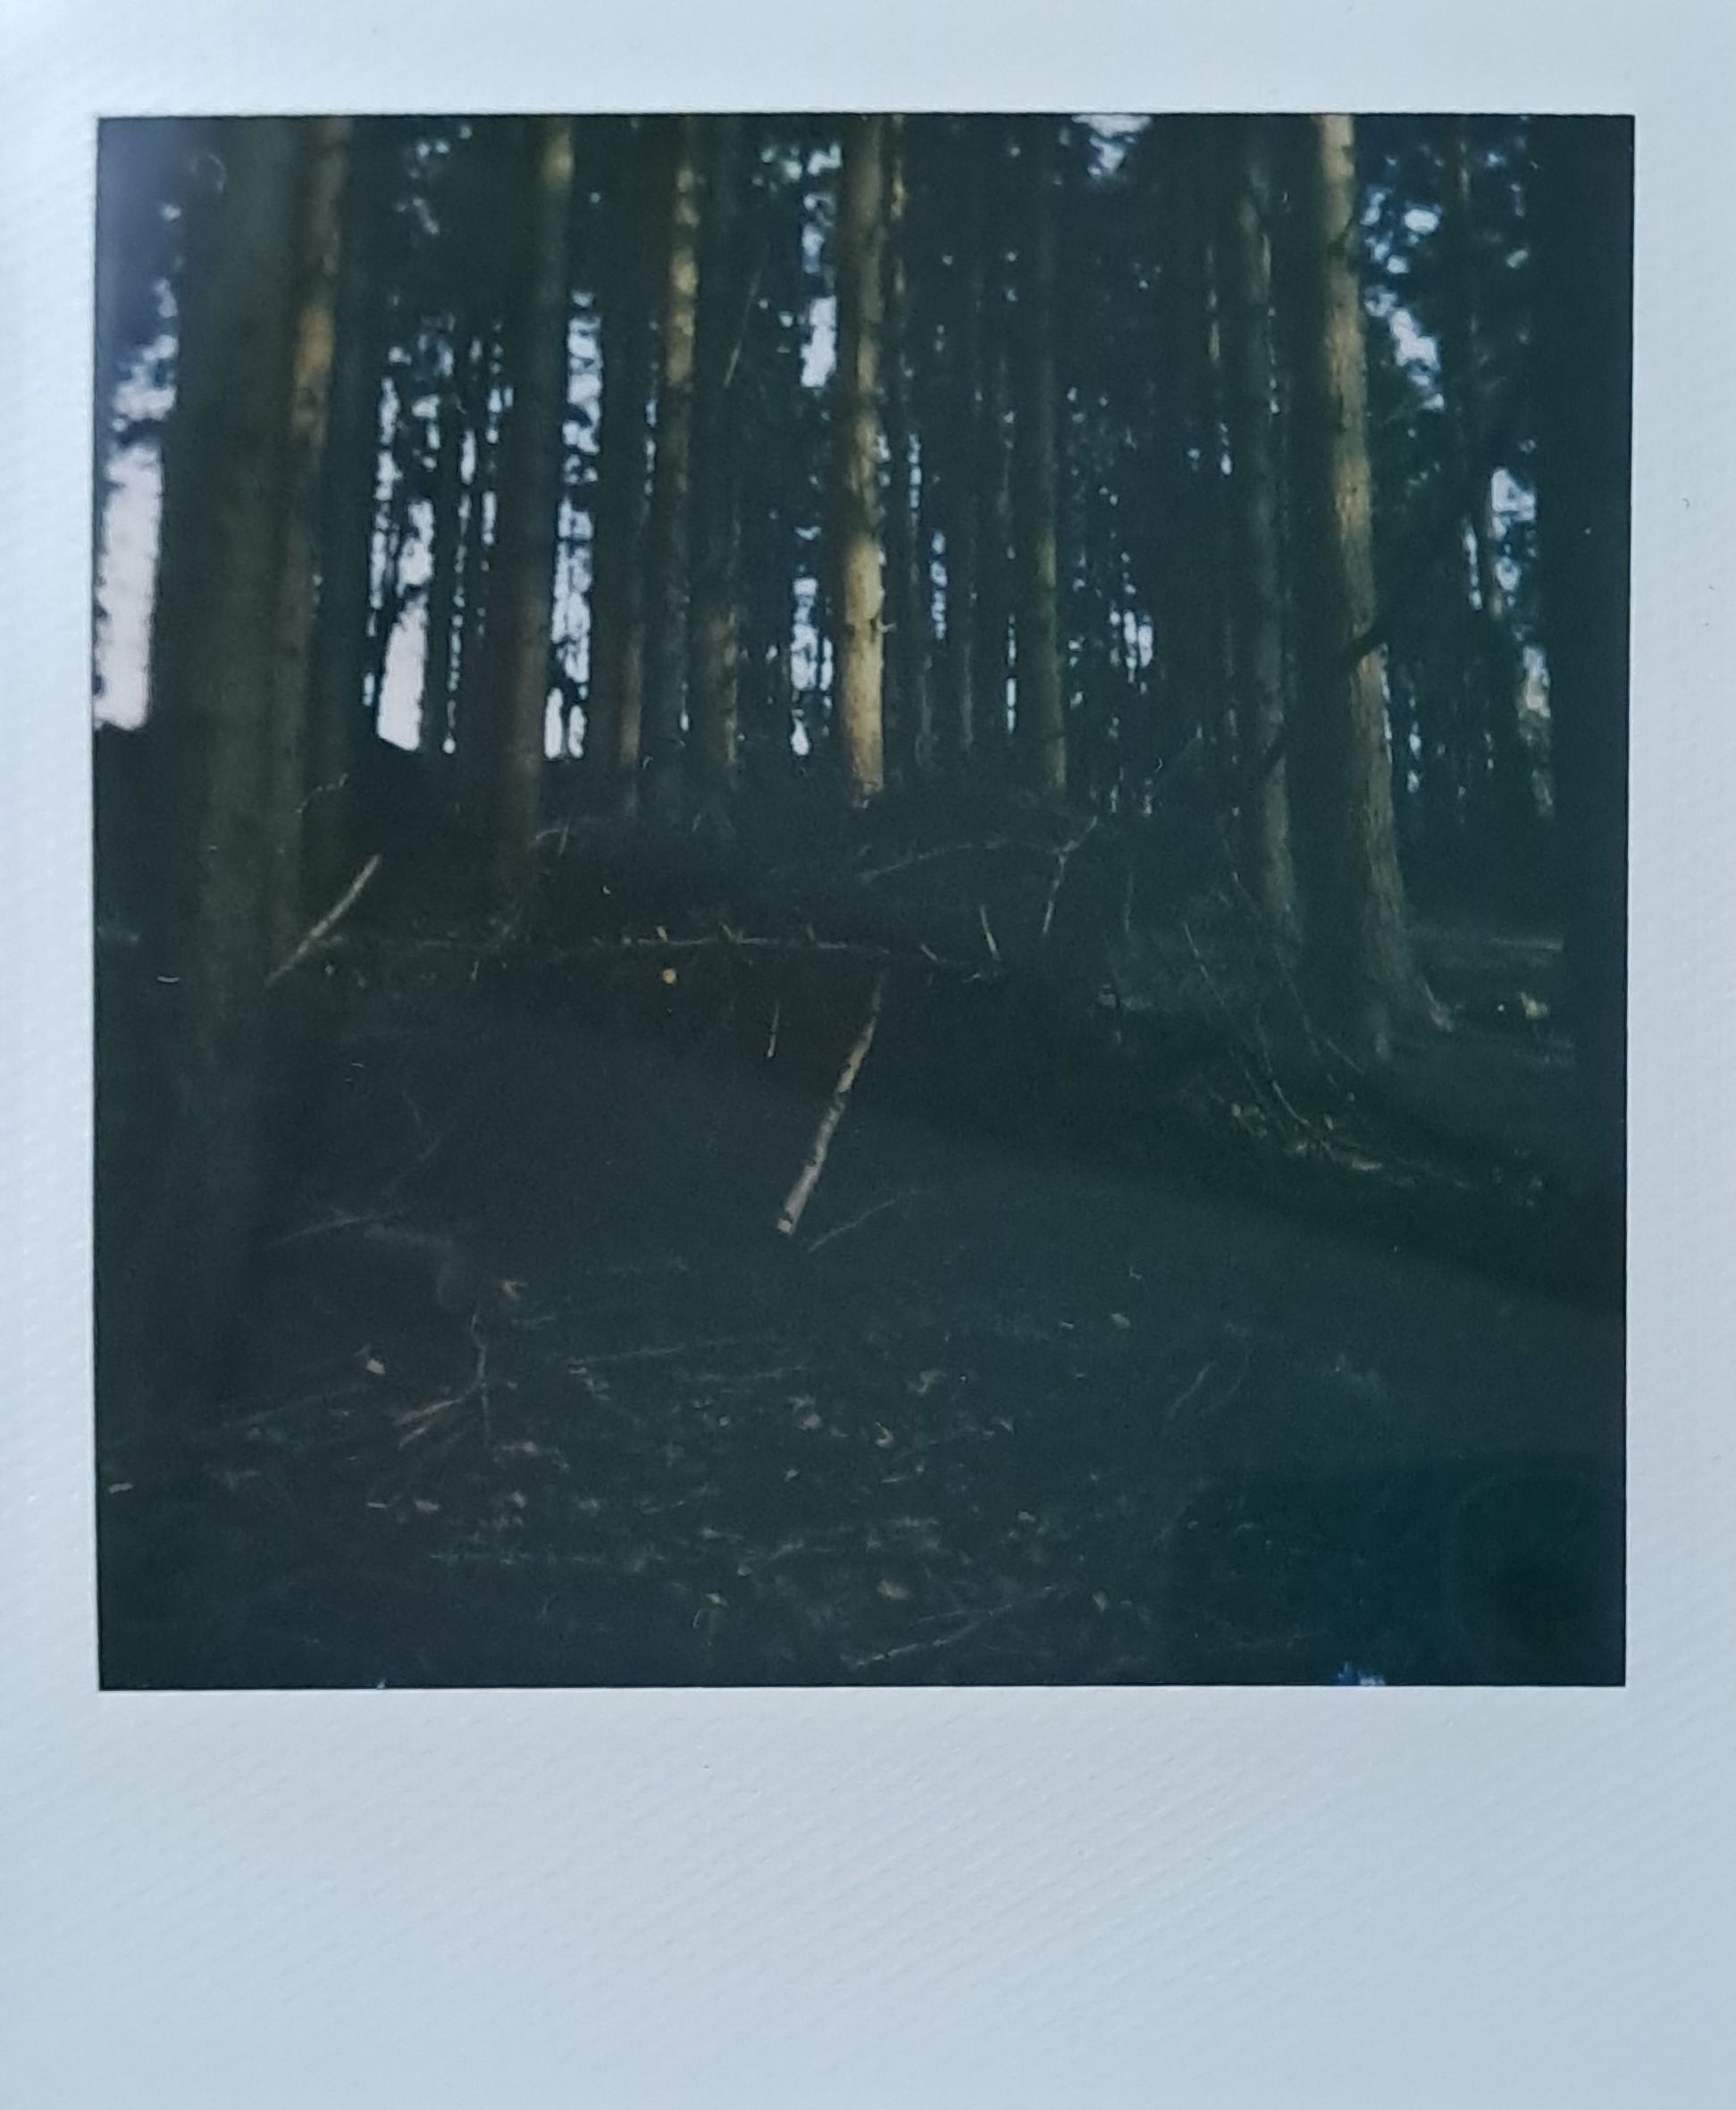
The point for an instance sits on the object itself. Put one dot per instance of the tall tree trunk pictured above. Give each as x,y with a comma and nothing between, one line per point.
994,458
324,146
471,718
521,618
1256,588
1041,723
615,701
1357,946
966,469
1581,201
714,642
907,708
1500,673
338,681
215,640
860,605
446,558
667,605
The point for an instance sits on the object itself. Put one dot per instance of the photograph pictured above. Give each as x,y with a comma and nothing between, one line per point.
860,906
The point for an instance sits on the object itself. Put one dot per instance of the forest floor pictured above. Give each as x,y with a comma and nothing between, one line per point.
1127,1335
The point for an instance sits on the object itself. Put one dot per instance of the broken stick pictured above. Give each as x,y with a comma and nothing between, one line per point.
808,1179
327,924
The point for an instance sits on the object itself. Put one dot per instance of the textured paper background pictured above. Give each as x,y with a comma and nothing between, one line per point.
1112,1898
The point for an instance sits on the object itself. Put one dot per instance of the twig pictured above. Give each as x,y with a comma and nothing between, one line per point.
581,1364
771,1037
808,1179
904,864
973,1624
1188,1392
982,917
327,922
855,1222
1061,857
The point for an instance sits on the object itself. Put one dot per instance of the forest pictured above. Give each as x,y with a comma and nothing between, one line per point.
860,898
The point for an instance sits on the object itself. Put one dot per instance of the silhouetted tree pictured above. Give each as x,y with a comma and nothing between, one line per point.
228,478
1041,723
859,612
615,702
714,641
1256,585
1582,199
519,621
1357,944
667,547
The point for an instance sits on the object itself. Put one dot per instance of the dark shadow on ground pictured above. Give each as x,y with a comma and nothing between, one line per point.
1104,1353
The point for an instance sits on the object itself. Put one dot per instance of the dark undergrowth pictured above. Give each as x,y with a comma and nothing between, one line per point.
1130,1332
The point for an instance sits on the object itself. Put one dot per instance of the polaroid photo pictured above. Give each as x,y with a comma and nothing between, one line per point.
869,895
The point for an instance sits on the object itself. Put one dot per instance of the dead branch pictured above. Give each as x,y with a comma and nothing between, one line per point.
809,1177
327,924
1063,858
855,1222
904,864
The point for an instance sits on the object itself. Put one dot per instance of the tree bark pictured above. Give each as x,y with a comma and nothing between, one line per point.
907,704
614,699
446,558
1040,725
1499,669
469,704
1357,945
324,152
667,599
1255,579
714,671
352,472
856,434
995,534
520,619
215,680
1581,201
962,496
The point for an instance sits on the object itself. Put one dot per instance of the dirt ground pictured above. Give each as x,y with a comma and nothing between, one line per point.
1100,1353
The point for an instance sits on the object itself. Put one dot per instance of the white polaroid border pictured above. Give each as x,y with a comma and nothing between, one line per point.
1402,1897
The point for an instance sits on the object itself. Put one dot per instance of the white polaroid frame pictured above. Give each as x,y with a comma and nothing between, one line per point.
937,1898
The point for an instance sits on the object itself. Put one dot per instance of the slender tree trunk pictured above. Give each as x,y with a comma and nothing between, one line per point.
324,147
1499,667
1256,585
666,610
908,730
994,463
1211,531
520,621
471,713
446,561
1581,201
856,436
1357,945
966,478
214,678
615,702
352,472
714,674
1041,722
